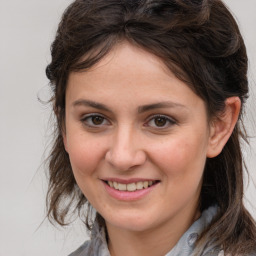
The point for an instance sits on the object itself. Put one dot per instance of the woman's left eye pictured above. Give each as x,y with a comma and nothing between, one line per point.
160,122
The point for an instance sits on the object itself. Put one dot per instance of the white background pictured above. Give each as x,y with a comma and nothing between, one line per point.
26,30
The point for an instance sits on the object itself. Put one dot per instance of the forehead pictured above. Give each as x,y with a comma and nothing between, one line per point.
129,72
124,56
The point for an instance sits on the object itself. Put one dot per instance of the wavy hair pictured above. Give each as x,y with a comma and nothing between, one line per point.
200,42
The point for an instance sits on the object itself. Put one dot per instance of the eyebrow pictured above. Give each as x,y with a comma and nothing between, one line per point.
165,104
89,103
141,109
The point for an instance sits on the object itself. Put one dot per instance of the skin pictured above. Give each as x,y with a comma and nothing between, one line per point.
126,142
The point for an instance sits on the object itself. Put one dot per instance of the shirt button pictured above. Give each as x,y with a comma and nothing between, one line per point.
192,239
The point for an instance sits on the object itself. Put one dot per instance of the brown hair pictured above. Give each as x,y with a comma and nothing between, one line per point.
200,42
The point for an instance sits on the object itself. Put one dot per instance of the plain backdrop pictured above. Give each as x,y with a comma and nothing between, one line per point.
27,29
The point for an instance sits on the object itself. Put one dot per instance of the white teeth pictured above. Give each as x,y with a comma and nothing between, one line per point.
121,186
139,185
115,185
145,184
131,186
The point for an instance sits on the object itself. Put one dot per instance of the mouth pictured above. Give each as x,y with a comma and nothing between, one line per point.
131,187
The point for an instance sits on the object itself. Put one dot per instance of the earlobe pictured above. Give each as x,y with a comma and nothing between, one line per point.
222,126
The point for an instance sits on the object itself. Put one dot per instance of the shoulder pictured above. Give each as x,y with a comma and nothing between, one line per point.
84,249
91,248
96,246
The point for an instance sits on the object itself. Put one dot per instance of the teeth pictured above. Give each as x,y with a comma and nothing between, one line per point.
121,186
145,184
139,185
115,185
131,186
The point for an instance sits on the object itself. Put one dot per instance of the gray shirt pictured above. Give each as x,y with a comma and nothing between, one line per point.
97,246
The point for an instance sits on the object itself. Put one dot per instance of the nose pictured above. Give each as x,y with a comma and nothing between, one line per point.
125,151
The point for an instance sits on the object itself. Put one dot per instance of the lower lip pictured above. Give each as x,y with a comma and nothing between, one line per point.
128,195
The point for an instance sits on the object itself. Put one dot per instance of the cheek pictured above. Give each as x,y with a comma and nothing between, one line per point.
180,156
85,155
181,163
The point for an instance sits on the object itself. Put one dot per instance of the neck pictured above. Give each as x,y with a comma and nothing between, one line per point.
154,241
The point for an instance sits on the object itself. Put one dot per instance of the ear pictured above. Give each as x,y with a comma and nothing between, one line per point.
222,126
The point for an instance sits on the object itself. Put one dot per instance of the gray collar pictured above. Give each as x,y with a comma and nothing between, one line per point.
97,246
186,244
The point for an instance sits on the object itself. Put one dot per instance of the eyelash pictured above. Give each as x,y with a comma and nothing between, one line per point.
88,121
168,121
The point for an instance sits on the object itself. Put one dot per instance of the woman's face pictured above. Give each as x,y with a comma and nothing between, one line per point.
131,124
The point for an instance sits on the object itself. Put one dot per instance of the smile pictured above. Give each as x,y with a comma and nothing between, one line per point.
129,190
131,186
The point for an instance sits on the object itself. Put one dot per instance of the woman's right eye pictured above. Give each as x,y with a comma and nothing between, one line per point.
94,120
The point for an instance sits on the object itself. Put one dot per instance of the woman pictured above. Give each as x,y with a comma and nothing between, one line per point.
149,97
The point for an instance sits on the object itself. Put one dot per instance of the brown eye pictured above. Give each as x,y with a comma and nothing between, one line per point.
97,120
94,121
160,121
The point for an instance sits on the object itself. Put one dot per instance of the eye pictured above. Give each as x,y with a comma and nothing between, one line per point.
94,120
160,121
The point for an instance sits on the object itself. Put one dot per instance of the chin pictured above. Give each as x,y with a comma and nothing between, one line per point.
131,223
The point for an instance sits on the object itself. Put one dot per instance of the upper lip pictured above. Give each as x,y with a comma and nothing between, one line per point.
128,181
